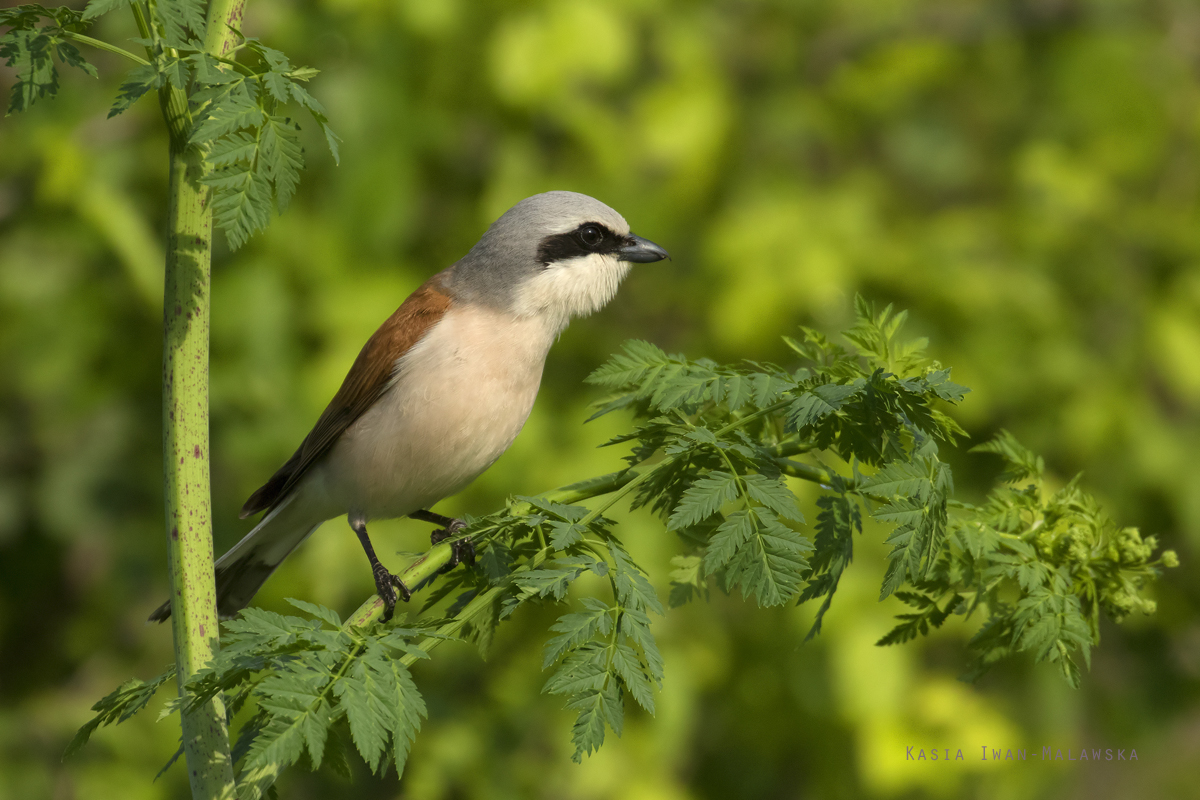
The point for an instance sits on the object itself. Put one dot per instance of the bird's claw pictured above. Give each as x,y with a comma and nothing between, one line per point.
461,550
384,583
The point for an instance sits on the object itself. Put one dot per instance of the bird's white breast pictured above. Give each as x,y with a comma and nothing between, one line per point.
457,400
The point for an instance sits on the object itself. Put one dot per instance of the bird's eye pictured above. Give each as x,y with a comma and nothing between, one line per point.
591,235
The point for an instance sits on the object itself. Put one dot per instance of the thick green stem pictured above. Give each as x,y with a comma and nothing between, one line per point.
223,16
185,427
186,455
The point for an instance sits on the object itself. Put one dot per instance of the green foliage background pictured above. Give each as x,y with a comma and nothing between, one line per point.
1021,175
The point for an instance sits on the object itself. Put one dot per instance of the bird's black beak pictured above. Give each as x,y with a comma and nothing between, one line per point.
643,251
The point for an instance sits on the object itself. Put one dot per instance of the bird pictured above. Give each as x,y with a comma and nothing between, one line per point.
439,391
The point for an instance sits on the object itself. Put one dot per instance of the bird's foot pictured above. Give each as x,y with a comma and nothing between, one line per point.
461,550
384,583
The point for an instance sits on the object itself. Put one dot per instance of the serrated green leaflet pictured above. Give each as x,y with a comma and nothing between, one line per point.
233,106
628,666
95,8
703,499
138,82
575,629
281,157
583,670
183,21
128,699
29,54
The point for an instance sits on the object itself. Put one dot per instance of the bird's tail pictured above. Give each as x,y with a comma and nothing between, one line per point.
244,568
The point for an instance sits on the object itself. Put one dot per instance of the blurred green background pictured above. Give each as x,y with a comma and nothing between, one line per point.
1021,174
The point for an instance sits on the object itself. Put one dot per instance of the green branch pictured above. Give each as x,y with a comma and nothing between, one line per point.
438,556
807,472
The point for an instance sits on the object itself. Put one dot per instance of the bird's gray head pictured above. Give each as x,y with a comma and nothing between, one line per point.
557,254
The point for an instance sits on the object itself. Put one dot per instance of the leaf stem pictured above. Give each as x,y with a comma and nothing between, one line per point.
762,412
99,45
144,29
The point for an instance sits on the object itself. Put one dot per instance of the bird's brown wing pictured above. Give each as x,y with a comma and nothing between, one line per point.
364,384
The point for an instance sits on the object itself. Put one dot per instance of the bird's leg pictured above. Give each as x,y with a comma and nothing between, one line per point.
460,550
384,580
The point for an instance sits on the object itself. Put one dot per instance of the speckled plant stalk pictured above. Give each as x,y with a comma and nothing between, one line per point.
185,425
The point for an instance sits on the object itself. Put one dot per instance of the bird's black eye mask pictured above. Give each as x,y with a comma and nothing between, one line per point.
588,238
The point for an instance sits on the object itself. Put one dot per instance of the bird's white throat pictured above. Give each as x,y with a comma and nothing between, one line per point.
571,288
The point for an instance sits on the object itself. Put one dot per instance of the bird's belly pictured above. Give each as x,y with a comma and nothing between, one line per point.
459,399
